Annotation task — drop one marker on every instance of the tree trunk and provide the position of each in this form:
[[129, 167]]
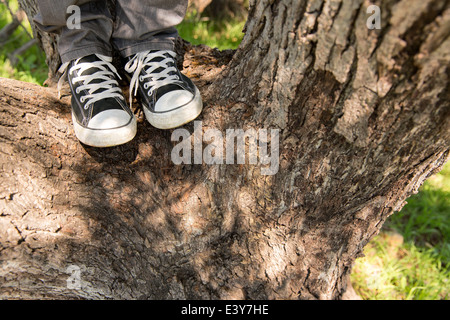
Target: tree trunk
[[363, 118]]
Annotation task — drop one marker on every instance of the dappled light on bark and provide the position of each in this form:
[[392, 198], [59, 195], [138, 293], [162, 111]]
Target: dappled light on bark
[[363, 119]]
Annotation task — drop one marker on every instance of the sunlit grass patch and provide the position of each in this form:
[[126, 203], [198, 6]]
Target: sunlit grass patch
[[410, 258], [224, 34], [393, 270]]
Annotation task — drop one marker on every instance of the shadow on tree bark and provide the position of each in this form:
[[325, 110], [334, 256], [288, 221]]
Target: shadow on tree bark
[[363, 118]]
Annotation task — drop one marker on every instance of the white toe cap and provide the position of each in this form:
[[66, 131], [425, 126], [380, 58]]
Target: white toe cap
[[172, 100], [109, 119]]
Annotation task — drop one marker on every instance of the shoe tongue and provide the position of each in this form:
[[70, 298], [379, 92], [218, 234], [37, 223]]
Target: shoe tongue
[[90, 59], [169, 87], [159, 59]]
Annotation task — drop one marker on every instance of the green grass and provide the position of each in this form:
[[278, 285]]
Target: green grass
[[225, 34], [410, 258], [425, 220], [400, 271], [31, 66]]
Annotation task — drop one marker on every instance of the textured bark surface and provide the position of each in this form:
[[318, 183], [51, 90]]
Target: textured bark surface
[[364, 119]]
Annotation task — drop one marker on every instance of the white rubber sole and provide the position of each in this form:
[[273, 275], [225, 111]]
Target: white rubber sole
[[105, 137], [178, 117]]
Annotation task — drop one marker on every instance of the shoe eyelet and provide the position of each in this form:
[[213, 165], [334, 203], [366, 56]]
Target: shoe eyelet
[[146, 86], [82, 99], [77, 90], [141, 78]]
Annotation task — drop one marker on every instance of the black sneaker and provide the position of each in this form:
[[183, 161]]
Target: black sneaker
[[100, 114], [169, 98]]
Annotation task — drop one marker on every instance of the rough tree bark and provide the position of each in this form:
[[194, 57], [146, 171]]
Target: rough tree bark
[[364, 119]]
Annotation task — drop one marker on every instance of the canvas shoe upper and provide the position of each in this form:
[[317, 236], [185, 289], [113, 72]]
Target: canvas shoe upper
[[169, 98], [100, 114]]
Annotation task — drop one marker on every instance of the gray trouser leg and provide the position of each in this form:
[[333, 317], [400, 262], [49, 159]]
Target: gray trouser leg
[[147, 25], [139, 25], [95, 30]]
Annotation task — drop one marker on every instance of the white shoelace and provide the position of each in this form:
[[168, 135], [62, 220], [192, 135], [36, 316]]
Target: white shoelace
[[144, 61], [110, 87]]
